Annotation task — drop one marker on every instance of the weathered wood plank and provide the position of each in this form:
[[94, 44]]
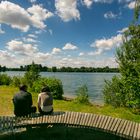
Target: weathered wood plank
[[120, 127], [104, 122], [107, 123], [113, 124], [128, 130], [132, 130], [138, 132], [135, 130], [121, 132], [123, 128], [110, 124]]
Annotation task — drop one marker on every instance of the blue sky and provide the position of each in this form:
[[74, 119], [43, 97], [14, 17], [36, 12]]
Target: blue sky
[[60, 33]]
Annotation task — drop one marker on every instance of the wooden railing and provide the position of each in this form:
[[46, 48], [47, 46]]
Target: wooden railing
[[120, 127]]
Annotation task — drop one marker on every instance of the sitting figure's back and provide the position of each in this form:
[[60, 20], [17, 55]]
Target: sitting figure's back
[[23, 102], [45, 101]]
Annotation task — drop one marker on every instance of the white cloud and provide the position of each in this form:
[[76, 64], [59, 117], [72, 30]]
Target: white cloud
[[87, 3], [97, 52], [1, 31], [41, 56], [124, 1], [30, 40], [32, 35], [50, 31], [103, 1], [21, 48], [106, 44], [32, 1], [123, 30], [110, 15], [39, 15], [81, 54], [79, 62], [131, 5], [69, 46], [38, 32], [56, 50], [5, 55], [67, 9], [20, 18]]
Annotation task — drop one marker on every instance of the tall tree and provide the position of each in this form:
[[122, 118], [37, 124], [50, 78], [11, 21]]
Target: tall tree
[[32, 74], [126, 90]]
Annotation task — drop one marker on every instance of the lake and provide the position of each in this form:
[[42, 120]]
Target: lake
[[71, 82]]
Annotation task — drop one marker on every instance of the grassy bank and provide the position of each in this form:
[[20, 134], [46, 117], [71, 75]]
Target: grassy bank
[[6, 106]]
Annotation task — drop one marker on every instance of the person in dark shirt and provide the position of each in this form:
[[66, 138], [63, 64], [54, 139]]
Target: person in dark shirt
[[23, 102]]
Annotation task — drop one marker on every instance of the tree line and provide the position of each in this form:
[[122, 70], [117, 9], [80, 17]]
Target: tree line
[[62, 69]]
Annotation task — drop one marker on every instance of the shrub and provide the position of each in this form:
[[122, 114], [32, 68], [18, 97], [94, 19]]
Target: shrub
[[113, 92], [5, 79], [54, 84], [82, 95], [16, 81]]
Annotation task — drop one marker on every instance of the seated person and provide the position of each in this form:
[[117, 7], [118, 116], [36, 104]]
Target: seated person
[[23, 102], [45, 101]]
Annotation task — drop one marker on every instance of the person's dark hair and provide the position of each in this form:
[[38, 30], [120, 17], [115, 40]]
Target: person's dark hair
[[23, 87], [45, 89]]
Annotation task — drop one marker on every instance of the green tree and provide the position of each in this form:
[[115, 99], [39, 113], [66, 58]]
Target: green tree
[[31, 75], [126, 89], [54, 69]]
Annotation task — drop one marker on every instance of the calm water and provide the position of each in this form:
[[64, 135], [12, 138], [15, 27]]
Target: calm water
[[71, 82]]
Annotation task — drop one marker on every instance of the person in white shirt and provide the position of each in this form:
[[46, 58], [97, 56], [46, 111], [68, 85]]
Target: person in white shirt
[[45, 101]]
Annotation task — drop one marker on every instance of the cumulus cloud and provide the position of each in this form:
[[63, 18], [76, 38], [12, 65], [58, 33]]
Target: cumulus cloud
[[20, 18], [30, 40], [79, 62], [69, 46], [41, 57], [56, 50], [32, 36], [131, 5], [106, 44], [87, 3], [97, 52], [21, 48], [110, 15], [5, 55], [38, 15], [123, 30], [67, 9]]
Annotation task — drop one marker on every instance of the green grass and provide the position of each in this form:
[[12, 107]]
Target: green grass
[[6, 106]]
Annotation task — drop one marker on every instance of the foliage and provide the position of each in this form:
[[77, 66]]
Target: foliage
[[5, 79], [113, 92], [82, 95], [126, 89], [64, 69], [2, 68], [54, 84], [31, 75]]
